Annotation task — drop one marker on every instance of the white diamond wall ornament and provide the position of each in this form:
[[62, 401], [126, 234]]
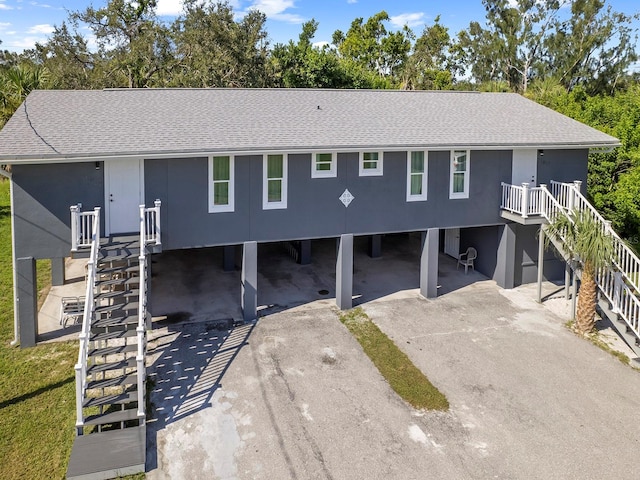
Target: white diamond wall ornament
[[346, 198]]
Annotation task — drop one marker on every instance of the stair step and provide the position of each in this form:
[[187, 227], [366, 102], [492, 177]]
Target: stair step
[[118, 255], [117, 321], [123, 398], [112, 335], [124, 269], [118, 281], [116, 327], [117, 350], [112, 417], [126, 306], [113, 382], [117, 294], [103, 367]]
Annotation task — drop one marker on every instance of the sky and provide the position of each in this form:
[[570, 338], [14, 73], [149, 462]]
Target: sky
[[25, 22]]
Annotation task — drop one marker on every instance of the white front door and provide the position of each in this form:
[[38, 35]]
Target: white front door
[[124, 192], [452, 242], [524, 166]]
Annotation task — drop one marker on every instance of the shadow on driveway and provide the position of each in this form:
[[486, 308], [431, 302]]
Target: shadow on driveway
[[189, 362]]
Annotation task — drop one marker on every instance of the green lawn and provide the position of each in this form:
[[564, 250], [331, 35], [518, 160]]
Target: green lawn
[[37, 389]]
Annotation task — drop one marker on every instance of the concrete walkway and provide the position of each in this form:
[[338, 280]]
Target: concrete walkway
[[294, 396]]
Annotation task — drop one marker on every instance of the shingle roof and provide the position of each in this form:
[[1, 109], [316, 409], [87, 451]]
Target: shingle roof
[[67, 124]]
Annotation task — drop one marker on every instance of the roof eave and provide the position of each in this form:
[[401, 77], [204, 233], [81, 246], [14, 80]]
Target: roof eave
[[69, 158]]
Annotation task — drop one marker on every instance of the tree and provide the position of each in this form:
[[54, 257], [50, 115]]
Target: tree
[[430, 65], [303, 65], [371, 46], [7, 59], [593, 47], [213, 50], [511, 45], [15, 84], [524, 40], [131, 40], [587, 244], [67, 57]]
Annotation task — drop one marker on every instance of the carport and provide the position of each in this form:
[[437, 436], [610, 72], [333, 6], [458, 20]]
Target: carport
[[204, 284]]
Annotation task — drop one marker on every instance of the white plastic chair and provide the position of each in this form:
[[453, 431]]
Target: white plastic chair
[[467, 259]]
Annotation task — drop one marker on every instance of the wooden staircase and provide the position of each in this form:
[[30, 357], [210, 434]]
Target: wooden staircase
[[110, 405], [111, 372]]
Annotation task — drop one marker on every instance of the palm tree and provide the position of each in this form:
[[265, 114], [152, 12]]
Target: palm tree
[[15, 84], [586, 242]]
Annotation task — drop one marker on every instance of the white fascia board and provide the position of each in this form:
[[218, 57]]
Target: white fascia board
[[300, 150]]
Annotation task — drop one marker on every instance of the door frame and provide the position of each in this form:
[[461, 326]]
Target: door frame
[[108, 167], [452, 233], [528, 159]]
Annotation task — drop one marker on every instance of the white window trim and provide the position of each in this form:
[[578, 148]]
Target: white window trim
[[332, 172], [371, 172], [266, 204], [423, 196], [465, 193], [230, 206]]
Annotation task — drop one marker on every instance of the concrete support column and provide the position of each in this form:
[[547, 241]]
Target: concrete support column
[[249, 280], [429, 263], [567, 280], [375, 246], [57, 271], [506, 256], [344, 272], [27, 291], [540, 262], [305, 252], [229, 258]]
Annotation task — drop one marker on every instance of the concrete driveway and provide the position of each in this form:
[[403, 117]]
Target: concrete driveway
[[294, 397]]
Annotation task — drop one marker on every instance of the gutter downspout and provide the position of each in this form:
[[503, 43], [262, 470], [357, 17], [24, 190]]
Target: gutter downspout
[[16, 325]]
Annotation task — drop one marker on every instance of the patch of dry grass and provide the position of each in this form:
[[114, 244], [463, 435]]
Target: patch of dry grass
[[394, 365]]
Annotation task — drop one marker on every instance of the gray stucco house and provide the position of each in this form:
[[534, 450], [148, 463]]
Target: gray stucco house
[[233, 168]]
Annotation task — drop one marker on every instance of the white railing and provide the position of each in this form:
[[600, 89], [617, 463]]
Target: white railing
[[149, 235], [523, 200], [621, 285], [145, 222], [150, 230], [87, 317], [625, 260], [82, 227]]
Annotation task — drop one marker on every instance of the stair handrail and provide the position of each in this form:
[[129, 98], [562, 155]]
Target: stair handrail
[[620, 284], [624, 297], [87, 317], [142, 311], [81, 227], [151, 233], [624, 259]]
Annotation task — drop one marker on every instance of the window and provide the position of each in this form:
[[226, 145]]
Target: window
[[274, 187], [221, 184], [370, 163], [416, 177], [459, 184], [323, 165]]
